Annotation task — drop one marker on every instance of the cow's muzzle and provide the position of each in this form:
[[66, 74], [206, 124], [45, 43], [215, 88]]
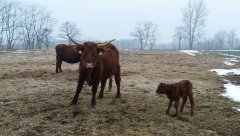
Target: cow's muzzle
[[89, 65]]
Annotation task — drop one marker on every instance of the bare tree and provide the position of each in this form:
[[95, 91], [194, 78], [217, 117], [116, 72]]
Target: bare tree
[[69, 29], [179, 36], [36, 27], [139, 33], [231, 39], [220, 38], [194, 20], [153, 36], [146, 33], [11, 23]]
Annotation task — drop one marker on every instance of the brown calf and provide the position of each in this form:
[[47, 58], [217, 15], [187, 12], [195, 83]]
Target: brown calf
[[175, 91]]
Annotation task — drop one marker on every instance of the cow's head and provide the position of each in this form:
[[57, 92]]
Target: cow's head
[[90, 52]]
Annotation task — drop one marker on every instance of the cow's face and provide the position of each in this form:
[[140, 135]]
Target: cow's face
[[90, 53], [161, 88]]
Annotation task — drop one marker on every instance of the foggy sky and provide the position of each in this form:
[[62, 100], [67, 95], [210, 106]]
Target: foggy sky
[[109, 19]]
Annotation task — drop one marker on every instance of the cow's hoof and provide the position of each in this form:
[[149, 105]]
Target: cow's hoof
[[100, 97], [75, 110]]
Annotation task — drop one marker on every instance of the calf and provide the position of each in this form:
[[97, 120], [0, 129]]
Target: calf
[[175, 91], [66, 53], [98, 63]]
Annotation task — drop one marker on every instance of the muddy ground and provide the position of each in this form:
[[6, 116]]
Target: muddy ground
[[36, 101]]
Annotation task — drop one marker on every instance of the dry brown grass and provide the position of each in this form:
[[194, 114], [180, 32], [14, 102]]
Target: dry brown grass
[[36, 101]]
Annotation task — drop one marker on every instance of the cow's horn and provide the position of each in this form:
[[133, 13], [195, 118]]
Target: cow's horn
[[105, 43], [73, 40]]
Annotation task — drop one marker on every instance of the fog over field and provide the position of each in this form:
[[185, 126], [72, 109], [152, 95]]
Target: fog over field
[[109, 19], [161, 23]]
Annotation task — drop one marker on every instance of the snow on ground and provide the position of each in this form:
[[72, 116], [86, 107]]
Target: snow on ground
[[230, 61], [231, 91], [190, 52], [21, 51], [224, 72]]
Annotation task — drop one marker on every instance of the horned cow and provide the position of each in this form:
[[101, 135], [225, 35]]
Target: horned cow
[[98, 63]]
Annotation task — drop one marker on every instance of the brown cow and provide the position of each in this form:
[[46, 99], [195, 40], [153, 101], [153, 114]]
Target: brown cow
[[98, 63], [66, 53], [175, 91]]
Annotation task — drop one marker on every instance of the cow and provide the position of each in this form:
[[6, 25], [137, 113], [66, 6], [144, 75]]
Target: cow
[[98, 63], [175, 91], [66, 53]]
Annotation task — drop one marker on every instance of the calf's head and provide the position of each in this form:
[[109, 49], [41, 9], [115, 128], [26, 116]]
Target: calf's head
[[162, 87]]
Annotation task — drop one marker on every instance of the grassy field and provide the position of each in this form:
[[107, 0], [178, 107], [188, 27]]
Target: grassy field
[[230, 52], [36, 101]]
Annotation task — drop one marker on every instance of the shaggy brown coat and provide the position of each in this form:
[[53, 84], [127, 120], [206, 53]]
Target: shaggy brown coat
[[174, 92], [98, 63]]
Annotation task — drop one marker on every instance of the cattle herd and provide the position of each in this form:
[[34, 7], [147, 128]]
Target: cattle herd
[[100, 61]]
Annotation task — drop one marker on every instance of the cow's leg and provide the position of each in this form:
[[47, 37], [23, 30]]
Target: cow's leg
[[177, 105], [78, 91], [118, 80], [94, 91], [110, 84], [103, 83], [169, 106], [184, 97]]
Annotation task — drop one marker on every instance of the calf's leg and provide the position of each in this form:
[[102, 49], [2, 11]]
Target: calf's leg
[[169, 106], [177, 105], [184, 97]]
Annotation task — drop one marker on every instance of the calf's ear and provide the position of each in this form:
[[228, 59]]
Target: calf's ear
[[100, 51], [78, 49]]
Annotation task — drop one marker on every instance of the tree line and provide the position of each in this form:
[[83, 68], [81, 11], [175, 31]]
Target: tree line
[[31, 27], [27, 26]]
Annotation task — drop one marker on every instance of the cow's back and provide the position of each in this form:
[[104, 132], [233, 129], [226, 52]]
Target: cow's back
[[110, 60], [67, 53]]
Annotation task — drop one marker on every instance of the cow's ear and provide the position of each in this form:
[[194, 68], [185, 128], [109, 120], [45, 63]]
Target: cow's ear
[[100, 51], [78, 49]]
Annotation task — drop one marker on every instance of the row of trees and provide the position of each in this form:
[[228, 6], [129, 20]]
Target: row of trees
[[26, 25], [222, 40], [147, 33]]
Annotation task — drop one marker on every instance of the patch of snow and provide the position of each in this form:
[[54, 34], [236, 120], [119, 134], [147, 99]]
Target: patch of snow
[[190, 52], [224, 72], [21, 51], [236, 109], [232, 91], [230, 61]]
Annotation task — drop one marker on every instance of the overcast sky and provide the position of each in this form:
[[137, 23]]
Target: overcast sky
[[109, 19]]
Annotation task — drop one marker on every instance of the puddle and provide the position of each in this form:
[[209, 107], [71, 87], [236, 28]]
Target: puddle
[[231, 91], [190, 52]]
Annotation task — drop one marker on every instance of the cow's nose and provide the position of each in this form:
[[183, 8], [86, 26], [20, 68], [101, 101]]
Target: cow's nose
[[89, 65]]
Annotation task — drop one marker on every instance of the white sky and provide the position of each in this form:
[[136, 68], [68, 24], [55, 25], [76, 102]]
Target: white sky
[[109, 19]]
